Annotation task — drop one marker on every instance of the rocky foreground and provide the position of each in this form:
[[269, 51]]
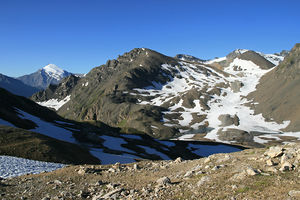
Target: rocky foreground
[[272, 173]]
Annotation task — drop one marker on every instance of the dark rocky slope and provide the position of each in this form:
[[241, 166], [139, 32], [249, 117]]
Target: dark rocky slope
[[26, 144], [278, 92], [101, 96], [59, 92], [17, 87]]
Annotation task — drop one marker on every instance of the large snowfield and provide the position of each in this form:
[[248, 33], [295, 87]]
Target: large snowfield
[[13, 166]]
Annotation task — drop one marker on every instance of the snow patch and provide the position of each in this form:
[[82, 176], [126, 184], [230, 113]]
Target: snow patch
[[48, 129], [155, 152], [215, 60], [275, 59], [6, 123], [13, 166], [55, 103]]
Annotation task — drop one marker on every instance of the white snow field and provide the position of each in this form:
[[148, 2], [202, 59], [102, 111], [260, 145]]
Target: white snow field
[[55, 103], [48, 129], [13, 166]]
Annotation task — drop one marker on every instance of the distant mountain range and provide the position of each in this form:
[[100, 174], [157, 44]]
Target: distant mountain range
[[27, 85], [184, 97], [16, 86]]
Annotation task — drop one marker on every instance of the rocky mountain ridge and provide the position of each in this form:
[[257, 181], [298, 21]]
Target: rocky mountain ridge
[[149, 93]]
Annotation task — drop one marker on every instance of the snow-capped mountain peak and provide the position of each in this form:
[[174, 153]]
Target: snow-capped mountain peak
[[50, 74], [54, 71]]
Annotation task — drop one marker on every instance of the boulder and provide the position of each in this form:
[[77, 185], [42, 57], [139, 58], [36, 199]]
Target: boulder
[[274, 152], [203, 180], [286, 166], [163, 181], [236, 86], [235, 135], [294, 193], [228, 120]]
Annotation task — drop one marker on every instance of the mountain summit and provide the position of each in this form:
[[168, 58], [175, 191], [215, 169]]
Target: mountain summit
[[54, 71], [50, 74]]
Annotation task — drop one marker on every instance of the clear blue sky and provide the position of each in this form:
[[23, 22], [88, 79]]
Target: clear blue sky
[[79, 35]]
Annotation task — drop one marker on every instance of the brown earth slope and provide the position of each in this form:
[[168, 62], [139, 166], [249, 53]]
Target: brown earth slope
[[278, 92]]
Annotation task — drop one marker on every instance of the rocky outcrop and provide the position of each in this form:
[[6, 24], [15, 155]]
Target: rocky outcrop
[[228, 120], [189, 58], [59, 92], [236, 86], [231, 134]]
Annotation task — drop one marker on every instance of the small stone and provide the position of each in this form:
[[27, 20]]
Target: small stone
[[163, 181], [81, 171], [112, 170], [271, 169], [189, 173], [285, 158], [274, 152], [110, 194], [207, 160], [199, 172], [238, 176], [294, 193], [178, 160], [57, 182], [286, 166], [251, 172], [270, 162], [216, 168], [136, 167], [98, 183], [203, 180]]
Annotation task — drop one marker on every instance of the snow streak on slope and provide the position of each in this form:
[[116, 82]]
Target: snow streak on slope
[[215, 60], [13, 166], [49, 129], [55, 103]]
